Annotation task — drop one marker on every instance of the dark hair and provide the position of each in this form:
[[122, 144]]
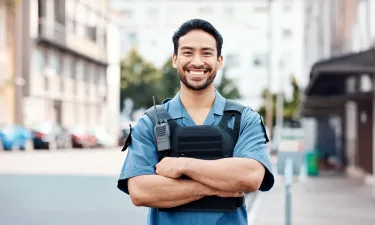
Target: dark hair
[[197, 24]]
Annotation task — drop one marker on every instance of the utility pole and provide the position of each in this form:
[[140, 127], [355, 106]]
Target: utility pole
[[269, 101]]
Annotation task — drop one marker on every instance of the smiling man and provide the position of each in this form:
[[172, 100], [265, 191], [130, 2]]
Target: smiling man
[[216, 151]]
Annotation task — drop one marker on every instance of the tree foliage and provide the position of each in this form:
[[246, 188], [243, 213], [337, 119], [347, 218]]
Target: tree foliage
[[289, 106], [227, 88]]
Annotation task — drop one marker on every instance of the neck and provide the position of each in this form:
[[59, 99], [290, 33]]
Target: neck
[[197, 99]]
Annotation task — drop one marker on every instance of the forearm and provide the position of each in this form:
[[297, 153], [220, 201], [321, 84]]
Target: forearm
[[229, 174], [162, 192]]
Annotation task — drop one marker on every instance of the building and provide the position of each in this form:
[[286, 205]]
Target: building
[[62, 55], [8, 82], [340, 62], [148, 26]]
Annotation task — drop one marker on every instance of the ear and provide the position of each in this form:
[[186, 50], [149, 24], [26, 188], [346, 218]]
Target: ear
[[174, 59], [220, 62]]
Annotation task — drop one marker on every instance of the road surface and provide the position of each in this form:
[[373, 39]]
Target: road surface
[[75, 187]]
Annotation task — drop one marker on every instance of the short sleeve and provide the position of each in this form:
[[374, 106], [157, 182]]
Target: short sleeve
[[141, 156], [252, 144]]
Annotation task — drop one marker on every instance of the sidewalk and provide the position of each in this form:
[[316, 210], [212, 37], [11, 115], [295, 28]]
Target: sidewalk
[[325, 200]]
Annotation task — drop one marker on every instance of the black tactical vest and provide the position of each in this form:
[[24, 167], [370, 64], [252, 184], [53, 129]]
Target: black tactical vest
[[206, 142]]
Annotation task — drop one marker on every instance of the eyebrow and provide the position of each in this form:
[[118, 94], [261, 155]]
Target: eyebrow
[[190, 48]]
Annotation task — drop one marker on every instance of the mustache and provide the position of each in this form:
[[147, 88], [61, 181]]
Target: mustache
[[197, 68]]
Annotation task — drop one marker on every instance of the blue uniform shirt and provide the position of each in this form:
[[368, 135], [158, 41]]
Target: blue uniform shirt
[[142, 157]]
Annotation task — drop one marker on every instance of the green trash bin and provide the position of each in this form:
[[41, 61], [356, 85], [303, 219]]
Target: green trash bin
[[312, 163]]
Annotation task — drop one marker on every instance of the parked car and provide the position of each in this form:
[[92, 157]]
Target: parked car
[[81, 137], [50, 135], [14, 137], [103, 138]]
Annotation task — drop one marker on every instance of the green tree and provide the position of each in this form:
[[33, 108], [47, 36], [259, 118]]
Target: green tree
[[227, 87], [171, 81], [139, 81], [262, 109], [289, 106]]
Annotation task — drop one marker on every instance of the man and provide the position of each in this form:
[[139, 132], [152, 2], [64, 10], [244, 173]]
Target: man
[[173, 182]]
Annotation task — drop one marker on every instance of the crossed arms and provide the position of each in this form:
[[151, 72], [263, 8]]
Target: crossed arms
[[228, 177]]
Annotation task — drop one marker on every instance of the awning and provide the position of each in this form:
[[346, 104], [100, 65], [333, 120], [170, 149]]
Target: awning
[[326, 92], [326, 71]]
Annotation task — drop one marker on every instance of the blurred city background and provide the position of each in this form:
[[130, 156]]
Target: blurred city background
[[75, 73]]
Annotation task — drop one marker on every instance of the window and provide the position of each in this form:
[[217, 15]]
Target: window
[[287, 33], [79, 70], [54, 61], [97, 75], [233, 60], [152, 12], [91, 26], [261, 9], [132, 37], [103, 77], [260, 60], [67, 66], [287, 7], [38, 60], [206, 10], [73, 64], [126, 13], [87, 72], [229, 11]]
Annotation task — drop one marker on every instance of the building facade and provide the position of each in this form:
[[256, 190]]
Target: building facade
[[7, 64], [340, 66], [62, 55], [148, 26]]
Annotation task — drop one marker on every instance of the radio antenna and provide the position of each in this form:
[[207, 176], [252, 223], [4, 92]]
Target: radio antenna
[[156, 111]]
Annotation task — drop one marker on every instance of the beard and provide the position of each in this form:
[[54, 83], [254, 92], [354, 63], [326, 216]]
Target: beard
[[202, 85]]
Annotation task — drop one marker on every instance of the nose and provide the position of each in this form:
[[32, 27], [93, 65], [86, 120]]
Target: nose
[[197, 61]]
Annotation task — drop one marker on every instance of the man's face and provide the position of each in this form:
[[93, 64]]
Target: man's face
[[196, 60]]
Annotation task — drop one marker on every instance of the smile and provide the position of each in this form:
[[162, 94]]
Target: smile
[[197, 72]]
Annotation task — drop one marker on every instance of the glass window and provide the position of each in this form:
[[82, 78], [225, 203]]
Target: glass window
[[287, 33], [54, 58], [91, 26], [103, 76], [87, 71], [79, 70], [73, 63], [260, 60], [67, 66], [38, 60]]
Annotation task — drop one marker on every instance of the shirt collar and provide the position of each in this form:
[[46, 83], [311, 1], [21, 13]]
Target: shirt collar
[[176, 109]]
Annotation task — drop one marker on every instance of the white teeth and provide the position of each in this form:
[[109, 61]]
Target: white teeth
[[196, 73]]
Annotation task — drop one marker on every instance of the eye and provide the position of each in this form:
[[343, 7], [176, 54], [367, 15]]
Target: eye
[[207, 53], [186, 53]]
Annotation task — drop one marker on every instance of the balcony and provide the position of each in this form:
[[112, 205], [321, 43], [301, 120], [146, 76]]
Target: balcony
[[52, 31], [86, 41]]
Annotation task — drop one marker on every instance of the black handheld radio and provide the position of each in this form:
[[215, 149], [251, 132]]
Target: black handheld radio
[[161, 131]]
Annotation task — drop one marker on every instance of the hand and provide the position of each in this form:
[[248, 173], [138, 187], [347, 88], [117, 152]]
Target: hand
[[227, 194], [170, 167], [210, 191]]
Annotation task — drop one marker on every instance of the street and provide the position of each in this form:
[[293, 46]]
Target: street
[[61, 200], [75, 187]]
